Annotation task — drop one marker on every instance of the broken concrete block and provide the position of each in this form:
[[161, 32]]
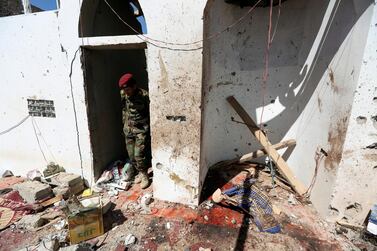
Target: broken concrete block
[[33, 191], [48, 245], [7, 173], [31, 221], [64, 191], [66, 180], [78, 188], [76, 247]]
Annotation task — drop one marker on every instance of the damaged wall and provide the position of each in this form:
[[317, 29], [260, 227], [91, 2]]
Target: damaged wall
[[35, 64], [52, 39], [356, 189], [315, 61], [314, 65], [175, 94]]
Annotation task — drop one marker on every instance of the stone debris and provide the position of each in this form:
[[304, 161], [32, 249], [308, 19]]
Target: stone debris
[[66, 184], [65, 180], [52, 169], [7, 173], [129, 240], [77, 247], [34, 175], [208, 204], [48, 245], [31, 221], [33, 191], [204, 249], [60, 224], [292, 200], [64, 191], [146, 199]]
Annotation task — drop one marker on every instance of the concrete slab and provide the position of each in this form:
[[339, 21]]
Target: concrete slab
[[33, 191], [31, 221], [66, 179]]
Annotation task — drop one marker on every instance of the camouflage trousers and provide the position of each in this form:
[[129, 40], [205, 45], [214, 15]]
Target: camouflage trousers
[[138, 146]]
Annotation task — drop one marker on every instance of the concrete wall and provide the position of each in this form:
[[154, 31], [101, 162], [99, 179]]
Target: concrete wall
[[51, 39], [175, 90], [356, 188], [36, 64], [315, 62], [314, 66]]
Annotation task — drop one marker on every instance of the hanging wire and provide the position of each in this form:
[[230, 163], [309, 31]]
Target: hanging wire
[[149, 39], [44, 140], [75, 112], [39, 143], [266, 66], [15, 126]]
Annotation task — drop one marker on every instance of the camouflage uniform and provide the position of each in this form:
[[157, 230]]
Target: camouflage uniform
[[136, 127]]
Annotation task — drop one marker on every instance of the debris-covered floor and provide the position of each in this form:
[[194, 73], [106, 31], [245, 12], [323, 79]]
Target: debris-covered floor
[[134, 221]]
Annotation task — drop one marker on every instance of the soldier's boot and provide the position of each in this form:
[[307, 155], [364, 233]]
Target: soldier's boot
[[137, 179], [130, 174], [144, 180]]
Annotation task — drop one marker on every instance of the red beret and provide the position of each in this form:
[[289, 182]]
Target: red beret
[[125, 79]]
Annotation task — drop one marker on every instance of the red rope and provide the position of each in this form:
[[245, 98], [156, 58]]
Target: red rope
[[266, 64]]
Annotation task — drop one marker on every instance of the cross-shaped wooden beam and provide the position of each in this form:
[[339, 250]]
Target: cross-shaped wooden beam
[[283, 167]]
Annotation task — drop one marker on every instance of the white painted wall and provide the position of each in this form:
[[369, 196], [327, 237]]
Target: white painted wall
[[38, 51], [50, 43], [356, 180], [175, 90], [34, 65], [314, 40]]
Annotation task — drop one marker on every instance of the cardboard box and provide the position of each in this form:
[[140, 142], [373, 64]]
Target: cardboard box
[[88, 222]]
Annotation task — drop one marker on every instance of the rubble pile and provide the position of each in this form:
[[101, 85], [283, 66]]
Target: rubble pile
[[59, 212]]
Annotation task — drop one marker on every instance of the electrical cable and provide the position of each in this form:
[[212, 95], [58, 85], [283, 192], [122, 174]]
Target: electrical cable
[[15, 126], [148, 39], [266, 63], [39, 143], [44, 140], [277, 22], [75, 112]]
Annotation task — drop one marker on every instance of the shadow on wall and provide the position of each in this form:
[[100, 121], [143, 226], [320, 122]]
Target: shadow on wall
[[103, 69], [97, 19], [234, 63]]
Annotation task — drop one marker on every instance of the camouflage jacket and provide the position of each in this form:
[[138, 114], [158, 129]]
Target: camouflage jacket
[[135, 108]]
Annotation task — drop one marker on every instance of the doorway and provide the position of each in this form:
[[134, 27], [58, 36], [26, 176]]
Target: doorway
[[102, 70]]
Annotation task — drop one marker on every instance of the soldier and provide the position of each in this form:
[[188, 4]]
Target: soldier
[[136, 128]]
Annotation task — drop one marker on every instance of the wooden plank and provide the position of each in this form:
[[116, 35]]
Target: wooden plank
[[262, 152], [52, 200], [252, 155], [263, 140]]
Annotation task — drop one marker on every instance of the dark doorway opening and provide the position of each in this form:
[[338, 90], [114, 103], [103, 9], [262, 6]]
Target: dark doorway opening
[[102, 70]]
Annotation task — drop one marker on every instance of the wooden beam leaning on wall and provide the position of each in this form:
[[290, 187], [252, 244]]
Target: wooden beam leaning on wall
[[263, 140]]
